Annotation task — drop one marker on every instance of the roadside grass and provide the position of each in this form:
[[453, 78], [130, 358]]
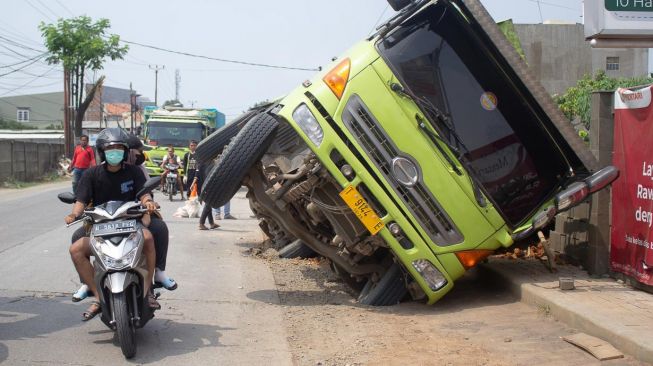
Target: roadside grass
[[12, 183]]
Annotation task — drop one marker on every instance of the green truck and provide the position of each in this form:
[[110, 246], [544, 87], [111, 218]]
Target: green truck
[[177, 127], [412, 158]]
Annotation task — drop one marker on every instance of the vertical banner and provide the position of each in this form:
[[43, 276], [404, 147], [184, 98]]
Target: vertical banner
[[631, 247]]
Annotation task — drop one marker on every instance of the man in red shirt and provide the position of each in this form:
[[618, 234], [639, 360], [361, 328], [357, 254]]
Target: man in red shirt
[[83, 158]]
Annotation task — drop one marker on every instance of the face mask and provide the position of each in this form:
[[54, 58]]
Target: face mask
[[139, 159], [114, 157]]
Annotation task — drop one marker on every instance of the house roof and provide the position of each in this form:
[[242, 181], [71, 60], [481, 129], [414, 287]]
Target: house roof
[[44, 108]]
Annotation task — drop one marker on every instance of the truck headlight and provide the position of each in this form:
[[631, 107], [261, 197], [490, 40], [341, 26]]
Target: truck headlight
[[433, 277], [308, 123]]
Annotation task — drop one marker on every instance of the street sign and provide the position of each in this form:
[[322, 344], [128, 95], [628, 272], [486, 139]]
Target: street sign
[[618, 19], [631, 241]]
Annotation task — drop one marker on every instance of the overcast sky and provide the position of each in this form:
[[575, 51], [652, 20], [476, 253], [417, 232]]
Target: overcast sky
[[289, 33]]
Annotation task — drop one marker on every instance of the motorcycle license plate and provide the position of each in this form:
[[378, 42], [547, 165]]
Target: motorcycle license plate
[[115, 227], [172, 175], [362, 209]]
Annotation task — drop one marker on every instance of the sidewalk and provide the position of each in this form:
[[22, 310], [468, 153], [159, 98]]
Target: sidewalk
[[600, 307]]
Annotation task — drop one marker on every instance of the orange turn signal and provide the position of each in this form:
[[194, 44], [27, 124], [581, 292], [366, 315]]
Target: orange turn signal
[[338, 77], [470, 258]]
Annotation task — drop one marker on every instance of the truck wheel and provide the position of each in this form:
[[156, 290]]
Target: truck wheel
[[211, 146], [389, 290], [297, 249], [243, 151]]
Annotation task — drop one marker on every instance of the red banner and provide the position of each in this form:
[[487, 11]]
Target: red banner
[[631, 250]]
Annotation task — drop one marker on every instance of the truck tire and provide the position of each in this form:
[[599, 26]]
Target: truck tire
[[389, 290], [212, 146], [297, 249], [243, 151]]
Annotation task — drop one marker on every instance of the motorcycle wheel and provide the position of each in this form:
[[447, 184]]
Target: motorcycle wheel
[[124, 327], [171, 193]]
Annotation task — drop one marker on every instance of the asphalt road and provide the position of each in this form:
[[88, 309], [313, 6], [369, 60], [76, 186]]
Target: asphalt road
[[207, 320]]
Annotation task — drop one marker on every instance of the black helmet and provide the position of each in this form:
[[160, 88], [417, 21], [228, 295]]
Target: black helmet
[[134, 142], [111, 136]]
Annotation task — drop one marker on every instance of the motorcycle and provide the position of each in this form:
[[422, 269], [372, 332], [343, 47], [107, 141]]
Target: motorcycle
[[171, 180], [120, 268]]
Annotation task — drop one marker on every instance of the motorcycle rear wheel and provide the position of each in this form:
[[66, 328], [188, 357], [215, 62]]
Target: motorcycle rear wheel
[[124, 326]]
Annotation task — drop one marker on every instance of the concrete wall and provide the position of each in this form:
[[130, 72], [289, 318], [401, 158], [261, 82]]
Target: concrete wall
[[27, 161], [559, 55]]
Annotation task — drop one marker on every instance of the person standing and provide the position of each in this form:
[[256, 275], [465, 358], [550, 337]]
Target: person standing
[[191, 169], [83, 158]]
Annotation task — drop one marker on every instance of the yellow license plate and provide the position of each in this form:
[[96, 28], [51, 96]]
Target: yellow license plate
[[362, 209]]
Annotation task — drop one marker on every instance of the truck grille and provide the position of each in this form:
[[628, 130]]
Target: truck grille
[[380, 148]]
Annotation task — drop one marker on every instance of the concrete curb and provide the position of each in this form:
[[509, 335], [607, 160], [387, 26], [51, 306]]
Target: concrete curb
[[589, 312]]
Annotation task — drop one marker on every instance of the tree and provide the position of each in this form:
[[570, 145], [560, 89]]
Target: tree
[[80, 44]]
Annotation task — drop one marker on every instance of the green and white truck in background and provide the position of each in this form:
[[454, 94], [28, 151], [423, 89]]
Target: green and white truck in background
[[177, 127]]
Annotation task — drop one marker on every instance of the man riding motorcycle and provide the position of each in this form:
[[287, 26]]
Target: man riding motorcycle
[[113, 180], [157, 227], [171, 158]]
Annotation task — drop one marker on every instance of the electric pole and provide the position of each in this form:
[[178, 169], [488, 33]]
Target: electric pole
[[177, 83], [156, 69]]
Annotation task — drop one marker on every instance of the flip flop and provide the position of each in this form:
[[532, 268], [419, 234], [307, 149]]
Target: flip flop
[[152, 303], [93, 310], [168, 284]]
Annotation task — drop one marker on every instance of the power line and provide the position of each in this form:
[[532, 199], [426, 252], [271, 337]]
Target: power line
[[552, 4], [220, 59], [379, 19], [64, 6], [21, 62], [21, 45], [27, 83], [39, 10], [48, 9], [21, 68]]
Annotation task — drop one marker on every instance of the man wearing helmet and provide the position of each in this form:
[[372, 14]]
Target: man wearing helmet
[[114, 180]]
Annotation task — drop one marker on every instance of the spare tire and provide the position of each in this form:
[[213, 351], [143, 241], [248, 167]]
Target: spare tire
[[243, 151], [212, 146]]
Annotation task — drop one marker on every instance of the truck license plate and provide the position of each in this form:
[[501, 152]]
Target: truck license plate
[[362, 209]]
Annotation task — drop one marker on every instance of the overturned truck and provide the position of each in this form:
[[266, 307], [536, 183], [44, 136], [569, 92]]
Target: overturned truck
[[412, 158]]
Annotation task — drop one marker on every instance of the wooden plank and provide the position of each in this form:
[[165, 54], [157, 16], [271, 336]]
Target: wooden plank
[[598, 348]]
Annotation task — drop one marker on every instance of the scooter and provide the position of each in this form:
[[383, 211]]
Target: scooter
[[171, 180], [120, 267]]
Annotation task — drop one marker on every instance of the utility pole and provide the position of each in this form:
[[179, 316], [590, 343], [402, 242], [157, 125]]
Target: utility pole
[[131, 106], [156, 69], [66, 113], [177, 83]]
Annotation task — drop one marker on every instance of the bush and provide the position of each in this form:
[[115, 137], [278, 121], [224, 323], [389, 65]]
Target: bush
[[14, 125], [576, 101]]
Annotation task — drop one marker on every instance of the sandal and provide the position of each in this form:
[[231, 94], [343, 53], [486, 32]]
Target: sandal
[[203, 227], [81, 294], [152, 303], [214, 226], [168, 284], [93, 310]]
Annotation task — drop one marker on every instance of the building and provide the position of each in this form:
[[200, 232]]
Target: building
[[559, 56], [111, 107], [37, 110]]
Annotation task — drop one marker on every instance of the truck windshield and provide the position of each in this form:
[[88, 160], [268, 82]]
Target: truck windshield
[[173, 133], [488, 120]]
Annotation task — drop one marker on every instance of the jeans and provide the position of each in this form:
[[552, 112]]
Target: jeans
[[227, 209], [77, 175]]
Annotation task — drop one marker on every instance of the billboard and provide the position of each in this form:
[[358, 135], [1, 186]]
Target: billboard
[[620, 19], [631, 242]]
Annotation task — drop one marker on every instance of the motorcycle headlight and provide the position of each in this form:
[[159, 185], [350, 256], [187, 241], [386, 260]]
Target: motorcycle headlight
[[119, 263], [308, 123]]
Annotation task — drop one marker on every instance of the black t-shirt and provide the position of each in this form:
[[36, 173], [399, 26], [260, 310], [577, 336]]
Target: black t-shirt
[[98, 185], [190, 163]]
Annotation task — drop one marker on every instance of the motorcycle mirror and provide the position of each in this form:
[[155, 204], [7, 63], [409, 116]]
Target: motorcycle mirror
[[66, 197], [149, 186]]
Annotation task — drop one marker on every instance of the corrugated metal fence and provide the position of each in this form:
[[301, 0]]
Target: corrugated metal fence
[[27, 161]]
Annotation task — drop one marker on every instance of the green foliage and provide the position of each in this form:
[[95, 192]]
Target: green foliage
[[14, 125], [575, 102], [80, 43]]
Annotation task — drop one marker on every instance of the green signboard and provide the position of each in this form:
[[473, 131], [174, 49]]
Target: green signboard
[[629, 5]]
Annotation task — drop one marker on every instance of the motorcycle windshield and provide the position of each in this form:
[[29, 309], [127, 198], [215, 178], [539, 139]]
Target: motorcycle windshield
[[487, 119]]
